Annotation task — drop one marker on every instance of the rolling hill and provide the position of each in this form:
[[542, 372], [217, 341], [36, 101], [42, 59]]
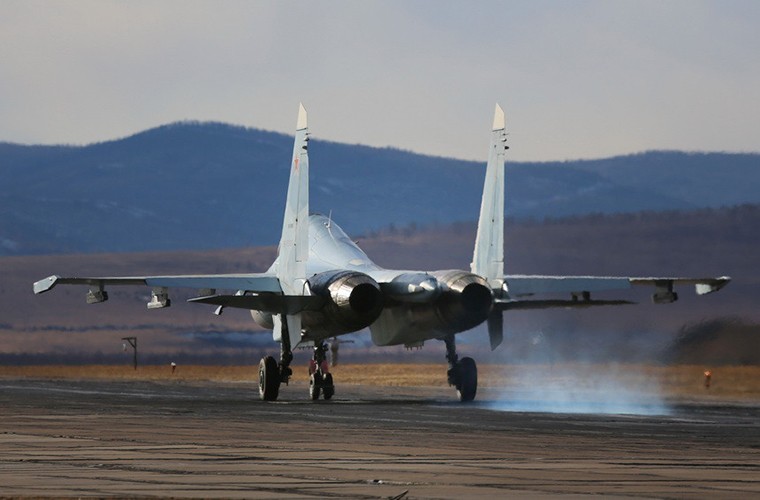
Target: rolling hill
[[209, 185]]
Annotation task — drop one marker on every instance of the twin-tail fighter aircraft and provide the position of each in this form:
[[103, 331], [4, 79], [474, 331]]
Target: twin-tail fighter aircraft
[[322, 285]]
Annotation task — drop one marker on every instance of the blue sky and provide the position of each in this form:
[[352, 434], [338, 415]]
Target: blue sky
[[582, 79]]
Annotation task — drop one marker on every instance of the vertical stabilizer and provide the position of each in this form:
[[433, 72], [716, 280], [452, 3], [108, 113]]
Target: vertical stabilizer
[[488, 258], [294, 242]]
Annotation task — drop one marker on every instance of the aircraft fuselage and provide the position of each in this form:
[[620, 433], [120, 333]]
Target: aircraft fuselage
[[409, 308]]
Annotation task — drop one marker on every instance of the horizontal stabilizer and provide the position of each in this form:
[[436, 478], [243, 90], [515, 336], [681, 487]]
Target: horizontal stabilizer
[[272, 303]]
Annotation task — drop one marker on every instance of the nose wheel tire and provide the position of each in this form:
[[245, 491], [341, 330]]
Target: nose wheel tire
[[314, 386], [320, 383], [320, 378], [328, 389]]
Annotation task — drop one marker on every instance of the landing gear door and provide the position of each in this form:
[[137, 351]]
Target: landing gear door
[[292, 326]]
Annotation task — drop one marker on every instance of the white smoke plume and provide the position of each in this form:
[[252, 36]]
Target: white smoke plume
[[546, 378]]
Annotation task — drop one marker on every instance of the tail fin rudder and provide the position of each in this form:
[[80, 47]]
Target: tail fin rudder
[[488, 257], [294, 242]]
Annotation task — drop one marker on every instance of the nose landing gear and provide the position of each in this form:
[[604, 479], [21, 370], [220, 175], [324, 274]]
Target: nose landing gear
[[320, 378]]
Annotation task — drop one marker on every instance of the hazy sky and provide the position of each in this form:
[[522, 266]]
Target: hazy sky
[[577, 79]]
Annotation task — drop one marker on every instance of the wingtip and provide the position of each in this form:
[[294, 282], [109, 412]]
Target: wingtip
[[499, 121], [713, 285], [302, 122], [46, 284]]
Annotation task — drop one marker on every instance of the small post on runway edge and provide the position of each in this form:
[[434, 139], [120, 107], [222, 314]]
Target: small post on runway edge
[[133, 342]]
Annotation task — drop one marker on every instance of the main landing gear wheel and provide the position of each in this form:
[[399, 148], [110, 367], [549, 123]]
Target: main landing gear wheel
[[468, 379], [271, 373], [462, 374], [269, 379]]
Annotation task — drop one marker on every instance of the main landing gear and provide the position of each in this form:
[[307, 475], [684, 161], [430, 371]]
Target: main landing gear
[[462, 374], [272, 374], [269, 379]]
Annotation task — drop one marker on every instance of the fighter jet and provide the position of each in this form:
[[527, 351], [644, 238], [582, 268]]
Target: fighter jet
[[322, 285]]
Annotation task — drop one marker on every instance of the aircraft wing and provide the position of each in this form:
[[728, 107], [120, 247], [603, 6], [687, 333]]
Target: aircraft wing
[[249, 282], [207, 284], [581, 287]]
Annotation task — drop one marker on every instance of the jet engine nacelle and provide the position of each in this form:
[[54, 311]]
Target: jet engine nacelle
[[466, 301], [354, 301]]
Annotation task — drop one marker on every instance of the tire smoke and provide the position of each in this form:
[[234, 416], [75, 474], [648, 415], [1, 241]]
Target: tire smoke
[[552, 381]]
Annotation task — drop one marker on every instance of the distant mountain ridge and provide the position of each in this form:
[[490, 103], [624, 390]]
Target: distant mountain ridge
[[192, 185]]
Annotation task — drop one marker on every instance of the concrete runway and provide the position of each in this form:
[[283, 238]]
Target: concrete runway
[[68, 438]]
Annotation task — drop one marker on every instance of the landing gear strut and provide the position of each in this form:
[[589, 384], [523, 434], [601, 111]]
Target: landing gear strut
[[272, 374], [320, 378], [462, 374]]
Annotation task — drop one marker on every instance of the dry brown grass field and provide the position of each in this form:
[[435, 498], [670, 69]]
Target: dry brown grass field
[[740, 383]]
